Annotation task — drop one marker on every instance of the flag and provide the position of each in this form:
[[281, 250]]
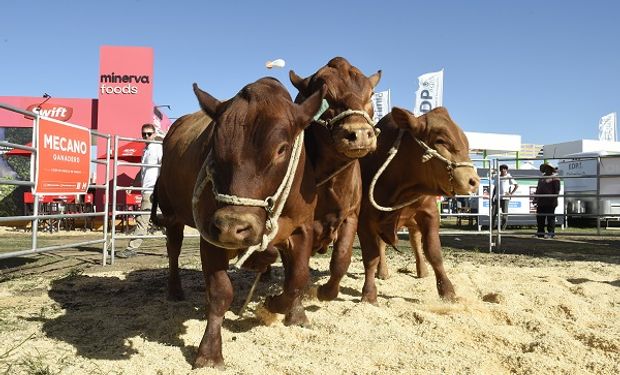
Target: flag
[[381, 104], [607, 127], [430, 92]]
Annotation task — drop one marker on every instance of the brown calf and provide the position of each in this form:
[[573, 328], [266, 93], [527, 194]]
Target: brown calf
[[343, 133], [220, 172], [432, 159]]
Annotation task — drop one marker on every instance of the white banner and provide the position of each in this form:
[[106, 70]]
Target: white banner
[[607, 127], [381, 104], [430, 92]]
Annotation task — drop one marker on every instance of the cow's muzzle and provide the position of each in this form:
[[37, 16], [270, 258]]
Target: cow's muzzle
[[466, 181], [355, 140], [234, 230]]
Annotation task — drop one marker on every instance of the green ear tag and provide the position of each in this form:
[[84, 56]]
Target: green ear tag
[[324, 107]]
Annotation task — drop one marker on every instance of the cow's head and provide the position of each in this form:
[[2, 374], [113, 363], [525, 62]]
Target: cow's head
[[348, 118], [445, 148], [248, 156]]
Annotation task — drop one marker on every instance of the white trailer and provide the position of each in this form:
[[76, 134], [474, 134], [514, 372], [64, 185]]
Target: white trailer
[[589, 175]]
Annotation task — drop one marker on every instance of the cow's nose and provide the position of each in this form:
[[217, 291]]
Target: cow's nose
[[230, 228], [360, 137], [473, 183]]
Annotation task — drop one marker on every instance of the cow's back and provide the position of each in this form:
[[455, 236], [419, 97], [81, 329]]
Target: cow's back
[[185, 145]]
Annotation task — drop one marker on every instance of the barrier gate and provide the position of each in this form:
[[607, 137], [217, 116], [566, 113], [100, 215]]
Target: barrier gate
[[38, 202]]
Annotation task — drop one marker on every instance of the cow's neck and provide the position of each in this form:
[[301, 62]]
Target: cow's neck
[[409, 176], [428, 172], [323, 155]]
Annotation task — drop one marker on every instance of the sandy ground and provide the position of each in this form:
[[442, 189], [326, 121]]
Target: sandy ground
[[530, 312]]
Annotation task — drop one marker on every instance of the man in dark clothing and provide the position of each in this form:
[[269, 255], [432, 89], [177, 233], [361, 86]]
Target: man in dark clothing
[[545, 206]]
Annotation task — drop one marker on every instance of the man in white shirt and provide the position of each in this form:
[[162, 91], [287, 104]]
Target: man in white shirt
[[147, 178], [507, 187]]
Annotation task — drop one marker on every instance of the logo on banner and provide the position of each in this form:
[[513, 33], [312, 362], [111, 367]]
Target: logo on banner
[[381, 104], [430, 92], [122, 83], [63, 158], [607, 127], [55, 111]]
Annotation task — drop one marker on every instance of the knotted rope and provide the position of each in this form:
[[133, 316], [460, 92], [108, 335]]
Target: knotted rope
[[349, 112], [428, 154]]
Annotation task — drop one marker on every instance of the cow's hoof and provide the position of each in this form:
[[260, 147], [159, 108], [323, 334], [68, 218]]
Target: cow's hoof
[[265, 316], [326, 293], [203, 361], [369, 299], [421, 270], [297, 317], [383, 274], [449, 296], [446, 291]]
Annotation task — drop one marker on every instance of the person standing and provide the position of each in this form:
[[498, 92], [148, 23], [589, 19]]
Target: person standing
[[545, 206], [145, 178], [507, 187]]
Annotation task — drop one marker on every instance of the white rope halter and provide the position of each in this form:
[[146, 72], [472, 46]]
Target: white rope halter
[[429, 153], [329, 124], [273, 204]]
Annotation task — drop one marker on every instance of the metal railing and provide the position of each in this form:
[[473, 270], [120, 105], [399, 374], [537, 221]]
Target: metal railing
[[116, 188], [36, 218]]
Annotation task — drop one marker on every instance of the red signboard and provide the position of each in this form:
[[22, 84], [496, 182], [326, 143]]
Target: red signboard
[[125, 89], [63, 158], [78, 111]]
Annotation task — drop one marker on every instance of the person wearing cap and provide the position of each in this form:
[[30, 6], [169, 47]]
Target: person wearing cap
[[146, 177], [545, 206], [507, 187]]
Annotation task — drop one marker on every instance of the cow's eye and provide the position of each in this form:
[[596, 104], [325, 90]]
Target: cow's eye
[[282, 150]]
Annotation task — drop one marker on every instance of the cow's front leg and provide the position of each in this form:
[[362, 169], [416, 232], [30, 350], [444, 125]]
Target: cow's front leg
[[220, 295], [431, 245], [383, 270], [415, 238], [340, 260], [370, 243], [295, 259], [174, 240]]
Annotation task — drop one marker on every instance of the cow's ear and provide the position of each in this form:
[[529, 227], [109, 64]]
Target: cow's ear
[[374, 79], [208, 103], [309, 108], [406, 120], [299, 83]]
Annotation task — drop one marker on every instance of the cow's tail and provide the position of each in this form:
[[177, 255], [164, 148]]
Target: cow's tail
[[158, 220]]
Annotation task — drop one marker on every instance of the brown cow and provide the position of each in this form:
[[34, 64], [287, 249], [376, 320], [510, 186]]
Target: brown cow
[[343, 133], [432, 159], [220, 177]]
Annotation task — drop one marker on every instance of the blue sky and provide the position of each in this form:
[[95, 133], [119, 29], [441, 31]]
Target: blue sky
[[547, 70]]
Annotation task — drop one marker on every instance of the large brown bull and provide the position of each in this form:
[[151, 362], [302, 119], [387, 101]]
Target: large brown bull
[[342, 134], [226, 171], [431, 158]]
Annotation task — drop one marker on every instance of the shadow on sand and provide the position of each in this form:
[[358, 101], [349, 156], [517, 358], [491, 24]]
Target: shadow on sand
[[102, 313]]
